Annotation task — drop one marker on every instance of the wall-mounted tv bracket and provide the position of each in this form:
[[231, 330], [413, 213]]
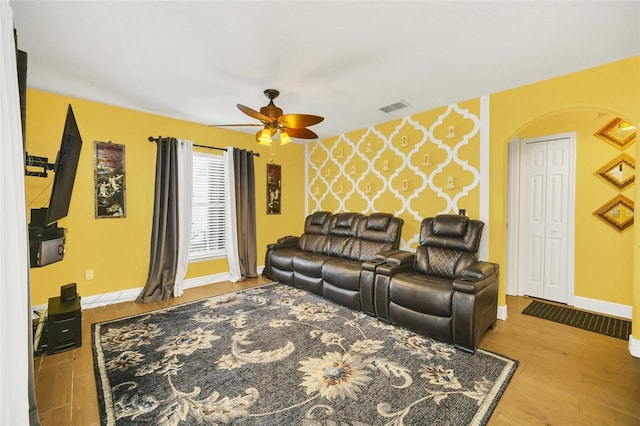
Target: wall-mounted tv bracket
[[39, 162]]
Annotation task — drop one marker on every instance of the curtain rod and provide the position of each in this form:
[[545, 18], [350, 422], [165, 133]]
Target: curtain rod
[[152, 139]]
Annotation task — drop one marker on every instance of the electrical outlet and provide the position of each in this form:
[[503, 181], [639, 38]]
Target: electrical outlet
[[88, 274]]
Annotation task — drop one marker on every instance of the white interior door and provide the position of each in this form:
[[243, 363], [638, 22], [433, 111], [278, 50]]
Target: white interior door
[[547, 206]]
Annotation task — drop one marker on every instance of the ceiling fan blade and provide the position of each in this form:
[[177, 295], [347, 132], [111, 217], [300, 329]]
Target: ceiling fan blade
[[298, 121], [255, 114], [234, 125], [301, 133]]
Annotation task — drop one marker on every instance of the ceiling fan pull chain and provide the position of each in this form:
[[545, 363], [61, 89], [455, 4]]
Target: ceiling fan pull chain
[[273, 153]]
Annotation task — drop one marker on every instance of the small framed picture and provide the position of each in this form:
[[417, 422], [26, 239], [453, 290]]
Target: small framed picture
[[274, 188], [109, 171]]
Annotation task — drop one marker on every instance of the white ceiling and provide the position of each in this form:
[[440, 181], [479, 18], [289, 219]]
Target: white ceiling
[[195, 60]]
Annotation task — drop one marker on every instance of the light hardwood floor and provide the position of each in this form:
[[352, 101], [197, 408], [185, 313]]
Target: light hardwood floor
[[566, 376]]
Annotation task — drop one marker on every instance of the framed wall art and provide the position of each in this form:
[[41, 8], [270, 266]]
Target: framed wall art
[[618, 133], [109, 172], [619, 172], [274, 188], [618, 212]]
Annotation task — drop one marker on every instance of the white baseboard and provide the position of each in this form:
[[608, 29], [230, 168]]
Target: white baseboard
[[211, 279], [634, 347], [205, 280], [129, 295], [502, 312], [104, 299], [602, 307], [610, 308]]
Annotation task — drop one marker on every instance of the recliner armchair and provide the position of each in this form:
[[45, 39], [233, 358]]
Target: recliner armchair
[[441, 290]]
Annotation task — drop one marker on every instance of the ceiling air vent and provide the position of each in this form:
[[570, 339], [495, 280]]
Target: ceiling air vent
[[394, 107]]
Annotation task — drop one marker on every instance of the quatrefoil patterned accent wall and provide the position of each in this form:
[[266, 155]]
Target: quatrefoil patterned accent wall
[[415, 167]]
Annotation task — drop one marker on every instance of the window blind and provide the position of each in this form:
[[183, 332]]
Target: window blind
[[208, 209]]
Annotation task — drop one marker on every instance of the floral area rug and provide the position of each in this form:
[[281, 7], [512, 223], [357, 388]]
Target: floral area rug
[[276, 355]]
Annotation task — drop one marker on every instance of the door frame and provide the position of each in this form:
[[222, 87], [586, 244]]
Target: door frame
[[513, 213], [513, 286]]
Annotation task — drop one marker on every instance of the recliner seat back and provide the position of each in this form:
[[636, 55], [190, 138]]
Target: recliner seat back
[[448, 244], [316, 227], [342, 229], [375, 233]]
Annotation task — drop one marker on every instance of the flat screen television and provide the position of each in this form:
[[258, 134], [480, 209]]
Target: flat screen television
[[65, 170]]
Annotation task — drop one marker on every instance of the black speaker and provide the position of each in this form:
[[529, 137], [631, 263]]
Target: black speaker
[[68, 292], [38, 218]]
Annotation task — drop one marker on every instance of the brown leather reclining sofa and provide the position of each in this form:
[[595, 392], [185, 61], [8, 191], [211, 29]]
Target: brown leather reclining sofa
[[327, 258], [441, 290]]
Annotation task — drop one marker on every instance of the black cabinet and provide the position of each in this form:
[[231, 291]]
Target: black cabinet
[[64, 325]]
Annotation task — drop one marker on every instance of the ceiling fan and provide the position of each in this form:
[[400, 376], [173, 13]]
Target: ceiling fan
[[273, 120]]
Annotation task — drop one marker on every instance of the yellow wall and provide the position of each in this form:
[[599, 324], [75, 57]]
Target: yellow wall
[[117, 249], [366, 170], [603, 254], [613, 88]]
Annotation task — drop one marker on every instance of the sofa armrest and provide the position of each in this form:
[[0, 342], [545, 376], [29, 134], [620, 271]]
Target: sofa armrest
[[284, 242], [381, 257], [400, 258], [289, 240], [396, 263], [475, 277], [367, 280], [475, 304]]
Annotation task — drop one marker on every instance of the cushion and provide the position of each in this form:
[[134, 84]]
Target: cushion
[[450, 225], [318, 218], [426, 294], [378, 221], [344, 221]]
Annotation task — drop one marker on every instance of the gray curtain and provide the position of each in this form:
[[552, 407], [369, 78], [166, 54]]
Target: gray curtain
[[164, 235], [245, 186], [34, 418]]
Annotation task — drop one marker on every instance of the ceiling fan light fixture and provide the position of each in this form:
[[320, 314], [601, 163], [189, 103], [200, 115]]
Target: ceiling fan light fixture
[[264, 137], [284, 138], [273, 121]]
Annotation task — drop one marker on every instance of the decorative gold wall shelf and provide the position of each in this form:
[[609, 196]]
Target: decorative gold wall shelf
[[618, 212], [618, 133], [619, 172]]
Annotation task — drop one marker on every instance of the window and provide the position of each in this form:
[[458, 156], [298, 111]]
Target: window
[[208, 209]]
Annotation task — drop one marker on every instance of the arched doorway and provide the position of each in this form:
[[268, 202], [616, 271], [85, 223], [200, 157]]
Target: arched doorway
[[602, 254]]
